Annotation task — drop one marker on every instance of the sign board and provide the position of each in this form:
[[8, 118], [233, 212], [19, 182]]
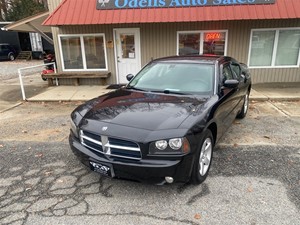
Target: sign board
[[140, 4]]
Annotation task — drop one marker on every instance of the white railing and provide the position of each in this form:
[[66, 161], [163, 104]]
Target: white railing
[[30, 67]]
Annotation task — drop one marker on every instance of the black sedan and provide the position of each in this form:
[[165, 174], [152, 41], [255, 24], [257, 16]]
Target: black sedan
[[7, 52], [162, 126]]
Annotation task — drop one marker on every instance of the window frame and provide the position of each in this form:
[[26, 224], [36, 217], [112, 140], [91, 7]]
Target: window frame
[[275, 47], [82, 48], [201, 44]]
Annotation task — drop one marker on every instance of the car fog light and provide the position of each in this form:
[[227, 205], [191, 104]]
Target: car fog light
[[161, 145], [169, 179]]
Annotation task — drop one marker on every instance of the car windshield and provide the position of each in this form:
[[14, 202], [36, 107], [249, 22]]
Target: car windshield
[[176, 78]]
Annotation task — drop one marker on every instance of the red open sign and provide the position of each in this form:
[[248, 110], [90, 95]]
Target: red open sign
[[210, 36]]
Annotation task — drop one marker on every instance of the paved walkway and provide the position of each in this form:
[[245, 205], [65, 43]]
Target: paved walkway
[[83, 93], [70, 93], [286, 91]]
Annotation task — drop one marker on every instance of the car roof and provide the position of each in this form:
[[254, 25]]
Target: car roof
[[207, 59]]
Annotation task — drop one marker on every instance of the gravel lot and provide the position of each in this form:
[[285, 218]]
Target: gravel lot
[[254, 179], [9, 69]]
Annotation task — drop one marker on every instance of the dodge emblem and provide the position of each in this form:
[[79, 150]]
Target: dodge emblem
[[104, 128]]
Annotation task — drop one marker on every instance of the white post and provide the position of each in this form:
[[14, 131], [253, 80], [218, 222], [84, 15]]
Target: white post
[[56, 81], [30, 67], [22, 85]]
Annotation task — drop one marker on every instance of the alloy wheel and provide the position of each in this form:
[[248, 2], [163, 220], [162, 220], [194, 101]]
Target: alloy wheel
[[246, 103], [205, 156], [11, 57]]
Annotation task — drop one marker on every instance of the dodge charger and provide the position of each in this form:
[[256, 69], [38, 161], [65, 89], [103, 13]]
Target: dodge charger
[[163, 125]]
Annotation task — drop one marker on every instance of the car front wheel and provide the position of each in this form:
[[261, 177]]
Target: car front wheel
[[245, 107], [11, 57], [204, 158]]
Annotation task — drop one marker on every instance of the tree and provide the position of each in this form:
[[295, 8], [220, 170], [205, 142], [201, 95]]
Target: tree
[[13, 10], [3, 9]]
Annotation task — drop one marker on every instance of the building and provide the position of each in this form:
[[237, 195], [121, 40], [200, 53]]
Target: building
[[28, 35], [120, 36]]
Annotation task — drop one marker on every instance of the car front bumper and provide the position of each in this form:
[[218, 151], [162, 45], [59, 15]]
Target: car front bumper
[[144, 170]]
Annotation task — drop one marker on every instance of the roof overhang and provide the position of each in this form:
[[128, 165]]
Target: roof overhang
[[78, 12], [25, 25], [5, 23], [31, 24]]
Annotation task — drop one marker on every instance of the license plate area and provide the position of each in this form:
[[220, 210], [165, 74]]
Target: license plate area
[[102, 168]]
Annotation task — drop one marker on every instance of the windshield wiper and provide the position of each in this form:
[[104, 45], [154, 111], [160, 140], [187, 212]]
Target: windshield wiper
[[170, 91]]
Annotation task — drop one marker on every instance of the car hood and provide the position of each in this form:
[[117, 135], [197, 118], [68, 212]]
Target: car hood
[[143, 110]]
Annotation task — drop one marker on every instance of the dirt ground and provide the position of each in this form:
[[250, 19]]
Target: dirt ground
[[267, 123], [42, 182]]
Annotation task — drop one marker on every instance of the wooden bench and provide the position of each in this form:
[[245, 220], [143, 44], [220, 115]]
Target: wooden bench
[[75, 76]]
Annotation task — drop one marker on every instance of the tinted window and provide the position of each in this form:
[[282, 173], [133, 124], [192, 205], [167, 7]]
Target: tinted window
[[236, 71], [3, 47], [227, 74], [191, 78]]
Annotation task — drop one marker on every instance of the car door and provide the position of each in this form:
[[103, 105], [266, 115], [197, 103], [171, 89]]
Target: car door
[[229, 98], [5, 51], [243, 86]]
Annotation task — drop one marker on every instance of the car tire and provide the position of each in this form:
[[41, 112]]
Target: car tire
[[203, 159], [11, 57], [245, 107]]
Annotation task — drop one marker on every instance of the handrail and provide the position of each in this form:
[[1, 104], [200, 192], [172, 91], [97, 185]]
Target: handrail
[[30, 67]]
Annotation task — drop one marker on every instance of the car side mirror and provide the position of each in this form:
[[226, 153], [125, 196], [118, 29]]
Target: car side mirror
[[245, 78], [129, 77], [231, 83]]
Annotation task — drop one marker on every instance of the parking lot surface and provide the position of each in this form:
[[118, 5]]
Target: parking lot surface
[[254, 179]]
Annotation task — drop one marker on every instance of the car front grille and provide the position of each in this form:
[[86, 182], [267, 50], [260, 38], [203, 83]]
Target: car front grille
[[109, 146]]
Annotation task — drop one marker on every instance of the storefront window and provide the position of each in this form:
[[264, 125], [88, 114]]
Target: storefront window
[[288, 47], [271, 48], [202, 42], [214, 43], [94, 52], [83, 52], [189, 44], [262, 48], [72, 55]]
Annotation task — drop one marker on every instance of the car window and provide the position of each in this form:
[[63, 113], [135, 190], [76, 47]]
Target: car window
[[4, 47], [190, 78], [236, 69], [227, 73]]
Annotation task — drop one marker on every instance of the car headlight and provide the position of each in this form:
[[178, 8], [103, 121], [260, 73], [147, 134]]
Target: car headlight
[[170, 146], [175, 143], [161, 145]]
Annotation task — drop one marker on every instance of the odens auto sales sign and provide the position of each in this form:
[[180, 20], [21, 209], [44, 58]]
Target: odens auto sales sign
[[138, 4]]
